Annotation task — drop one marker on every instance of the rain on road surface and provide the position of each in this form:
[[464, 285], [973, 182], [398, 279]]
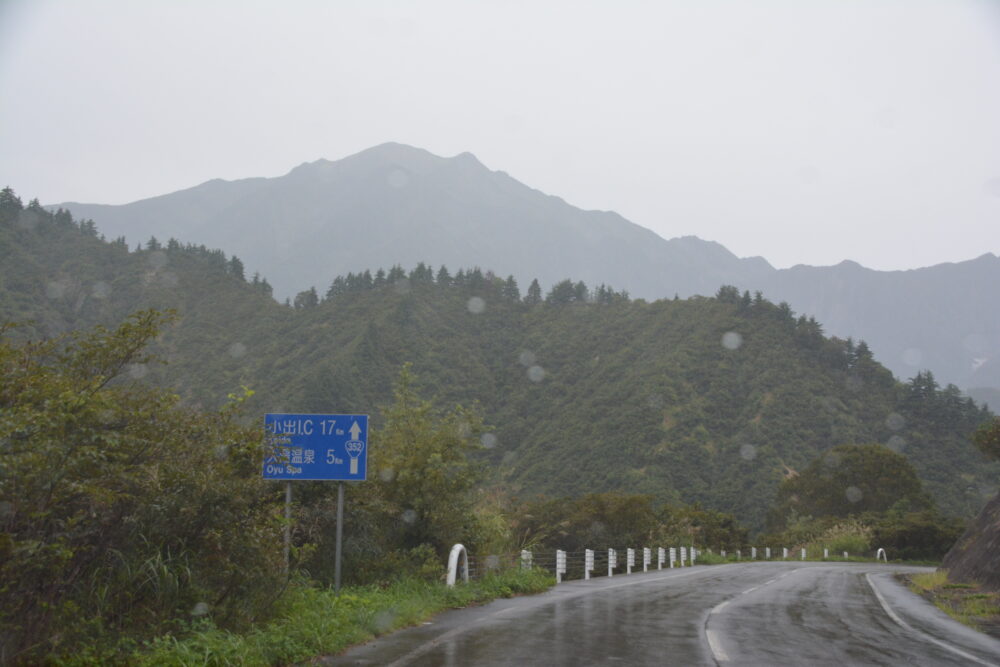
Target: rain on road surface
[[761, 613]]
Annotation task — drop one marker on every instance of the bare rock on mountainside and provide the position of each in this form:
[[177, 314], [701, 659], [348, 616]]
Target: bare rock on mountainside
[[976, 555]]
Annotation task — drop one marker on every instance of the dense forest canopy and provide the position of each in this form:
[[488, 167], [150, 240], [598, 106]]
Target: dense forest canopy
[[708, 400]]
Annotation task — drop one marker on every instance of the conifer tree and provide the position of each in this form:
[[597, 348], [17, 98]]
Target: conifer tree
[[534, 295], [443, 277], [235, 267], [510, 290]]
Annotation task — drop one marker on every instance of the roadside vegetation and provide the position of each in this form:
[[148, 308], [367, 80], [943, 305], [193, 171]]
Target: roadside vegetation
[[134, 523], [859, 498], [968, 603], [311, 621]]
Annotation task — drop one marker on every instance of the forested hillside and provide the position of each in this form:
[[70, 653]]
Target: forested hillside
[[397, 204], [709, 400]]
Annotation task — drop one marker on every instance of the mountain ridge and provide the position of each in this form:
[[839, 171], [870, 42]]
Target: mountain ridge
[[396, 204]]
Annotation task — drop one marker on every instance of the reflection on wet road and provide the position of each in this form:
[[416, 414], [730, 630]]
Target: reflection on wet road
[[740, 614]]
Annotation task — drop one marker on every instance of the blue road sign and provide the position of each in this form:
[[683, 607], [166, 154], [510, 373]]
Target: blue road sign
[[316, 447]]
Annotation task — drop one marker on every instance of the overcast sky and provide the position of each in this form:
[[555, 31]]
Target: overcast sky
[[804, 132]]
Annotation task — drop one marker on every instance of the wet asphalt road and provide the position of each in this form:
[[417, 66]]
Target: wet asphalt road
[[740, 614]]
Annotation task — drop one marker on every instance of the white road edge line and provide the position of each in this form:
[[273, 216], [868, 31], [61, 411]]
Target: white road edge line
[[718, 652], [906, 626], [714, 645]]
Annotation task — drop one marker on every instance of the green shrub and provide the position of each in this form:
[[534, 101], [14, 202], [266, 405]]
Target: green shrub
[[917, 536], [311, 622], [123, 513]]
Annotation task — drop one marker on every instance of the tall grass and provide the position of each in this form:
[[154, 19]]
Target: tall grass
[[964, 602], [312, 622]]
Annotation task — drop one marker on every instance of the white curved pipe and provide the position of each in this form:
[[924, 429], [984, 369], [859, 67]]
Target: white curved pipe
[[453, 564], [881, 552]]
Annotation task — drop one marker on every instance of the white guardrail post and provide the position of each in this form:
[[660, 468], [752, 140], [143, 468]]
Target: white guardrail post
[[588, 562], [826, 554], [457, 550], [684, 555], [647, 558], [846, 556], [723, 553], [526, 559], [803, 554], [560, 565], [739, 554], [767, 553], [694, 554], [673, 556], [612, 562], [784, 553], [629, 560], [660, 557]]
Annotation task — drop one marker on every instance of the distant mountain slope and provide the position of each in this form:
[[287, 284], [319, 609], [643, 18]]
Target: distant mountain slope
[[398, 204], [712, 400], [945, 318]]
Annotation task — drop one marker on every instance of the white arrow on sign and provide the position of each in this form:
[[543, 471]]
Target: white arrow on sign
[[355, 431]]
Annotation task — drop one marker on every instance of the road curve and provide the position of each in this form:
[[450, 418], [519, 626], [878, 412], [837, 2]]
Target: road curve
[[759, 613]]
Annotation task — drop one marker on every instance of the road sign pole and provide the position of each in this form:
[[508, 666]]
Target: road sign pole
[[288, 524], [340, 536]]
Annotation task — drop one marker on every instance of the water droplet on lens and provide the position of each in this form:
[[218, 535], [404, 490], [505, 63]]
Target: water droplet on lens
[[992, 187], [402, 286], [895, 421], [748, 452], [398, 178], [492, 562], [912, 357], [138, 371], [655, 401], [489, 440], [383, 621], [896, 443], [809, 175], [536, 373], [409, 516], [526, 358], [237, 350], [387, 474], [158, 259], [853, 494], [56, 289], [101, 290], [200, 609], [476, 305], [887, 117], [27, 219], [731, 340]]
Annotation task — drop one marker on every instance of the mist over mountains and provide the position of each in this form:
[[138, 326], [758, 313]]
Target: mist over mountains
[[395, 204]]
